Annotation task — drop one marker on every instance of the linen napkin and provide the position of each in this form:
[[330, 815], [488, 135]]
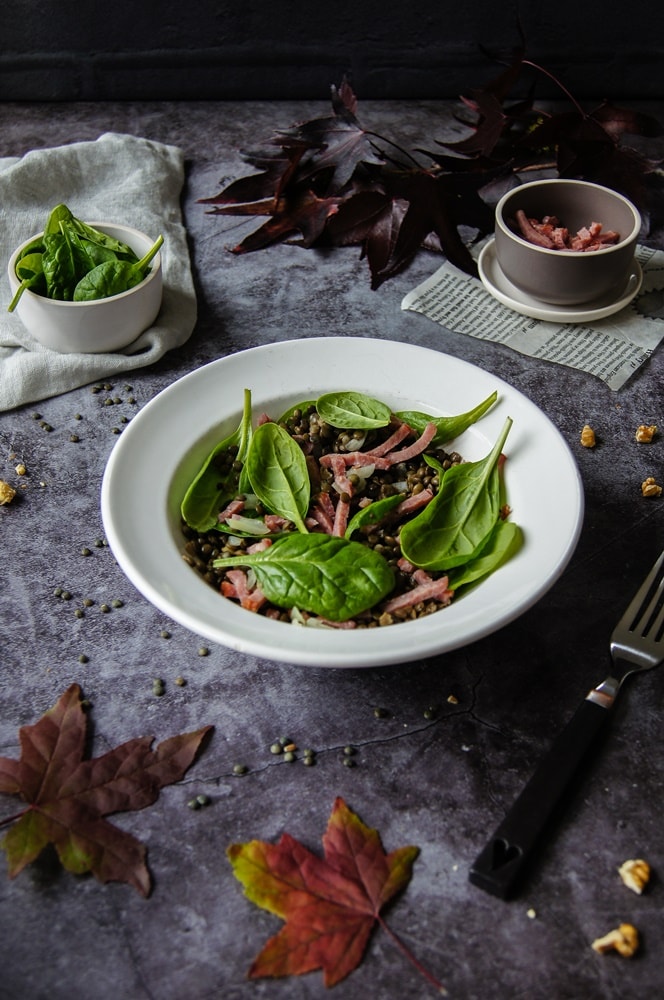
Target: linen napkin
[[116, 178]]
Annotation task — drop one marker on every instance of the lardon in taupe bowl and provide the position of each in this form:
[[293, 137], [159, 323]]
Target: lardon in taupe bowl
[[567, 277]]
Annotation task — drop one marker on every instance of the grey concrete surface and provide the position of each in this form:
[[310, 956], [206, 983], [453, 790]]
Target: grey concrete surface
[[441, 783]]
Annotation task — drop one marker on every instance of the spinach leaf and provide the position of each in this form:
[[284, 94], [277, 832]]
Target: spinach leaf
[[434, 463], [352, 410], [452, 529], [278, 474], [325, 575], [35, 246], [372, 513], [97, 254], [447, 428], [122, 250], [64, 264], [505, 539], [211, 489], [57, 217], [114, 276], [30, 270]]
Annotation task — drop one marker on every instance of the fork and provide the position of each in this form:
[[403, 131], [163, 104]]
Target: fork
[[637, 644]]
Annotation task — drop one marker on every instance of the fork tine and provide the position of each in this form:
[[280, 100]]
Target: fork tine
[[641, 610]]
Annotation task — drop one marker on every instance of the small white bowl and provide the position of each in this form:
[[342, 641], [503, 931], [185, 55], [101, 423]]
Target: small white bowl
[[93, 327]]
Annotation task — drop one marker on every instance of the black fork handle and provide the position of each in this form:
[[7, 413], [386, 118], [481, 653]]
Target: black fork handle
[[500, 864]]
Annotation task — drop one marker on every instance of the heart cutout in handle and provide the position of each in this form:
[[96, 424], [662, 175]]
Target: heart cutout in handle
[[503, 853]]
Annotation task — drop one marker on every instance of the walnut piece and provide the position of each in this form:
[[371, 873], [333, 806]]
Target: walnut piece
[[649, 488], [624, 940], [7, 492], [635, 873], [645, 434], [588, 439]]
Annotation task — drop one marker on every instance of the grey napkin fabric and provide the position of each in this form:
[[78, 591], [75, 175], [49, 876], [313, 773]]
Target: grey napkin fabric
[[116, 178]]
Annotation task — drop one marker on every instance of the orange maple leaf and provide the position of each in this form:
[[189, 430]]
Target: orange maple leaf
[[330, 904]]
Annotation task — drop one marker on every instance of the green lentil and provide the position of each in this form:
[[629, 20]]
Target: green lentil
[[57, 592], [79, 612], [348, 762], [180, 681], [380, 713], [430, 712], [203, 651], [193, 804], [77, 416], [240, 768], [158, 686], [88, 602], [309, 761], [116, 603], [165, 634], [349, 751], [203, 800], [36, 416], [65, 595], [98, 543], [276, 748], [115, 430], [83, 658], [289, 756], [104, 608], [85, 551], [75, 438]]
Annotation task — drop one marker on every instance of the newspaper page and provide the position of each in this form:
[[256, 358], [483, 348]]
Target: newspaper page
[[612, 348]]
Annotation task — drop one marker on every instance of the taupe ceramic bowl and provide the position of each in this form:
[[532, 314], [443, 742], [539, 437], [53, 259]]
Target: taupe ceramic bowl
[[567, 277]]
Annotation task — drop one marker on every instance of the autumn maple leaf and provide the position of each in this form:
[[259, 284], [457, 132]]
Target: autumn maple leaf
[[590, 146], [330, 904], [68, 796]]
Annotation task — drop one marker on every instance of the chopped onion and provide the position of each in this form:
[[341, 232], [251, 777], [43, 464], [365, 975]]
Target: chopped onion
[[363, 471], [355, 443], [251, 525]]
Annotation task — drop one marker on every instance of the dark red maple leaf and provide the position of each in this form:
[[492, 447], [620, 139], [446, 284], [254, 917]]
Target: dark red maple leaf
[[330, 904], [588, 147], [333, 147], [68, 797], [494, 118]]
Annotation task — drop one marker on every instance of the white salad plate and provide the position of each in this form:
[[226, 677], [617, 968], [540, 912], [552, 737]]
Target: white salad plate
[[502, 289], [163, 447]]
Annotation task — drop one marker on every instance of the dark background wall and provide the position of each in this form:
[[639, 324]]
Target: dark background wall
[[229, 49]]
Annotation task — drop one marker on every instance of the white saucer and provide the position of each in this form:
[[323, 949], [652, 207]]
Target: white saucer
[[501, 288]]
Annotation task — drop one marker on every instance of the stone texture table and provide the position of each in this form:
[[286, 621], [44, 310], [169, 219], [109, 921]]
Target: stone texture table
[[440, 780]]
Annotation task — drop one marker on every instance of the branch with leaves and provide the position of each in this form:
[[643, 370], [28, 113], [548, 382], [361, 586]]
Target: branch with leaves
[[330, 182]]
